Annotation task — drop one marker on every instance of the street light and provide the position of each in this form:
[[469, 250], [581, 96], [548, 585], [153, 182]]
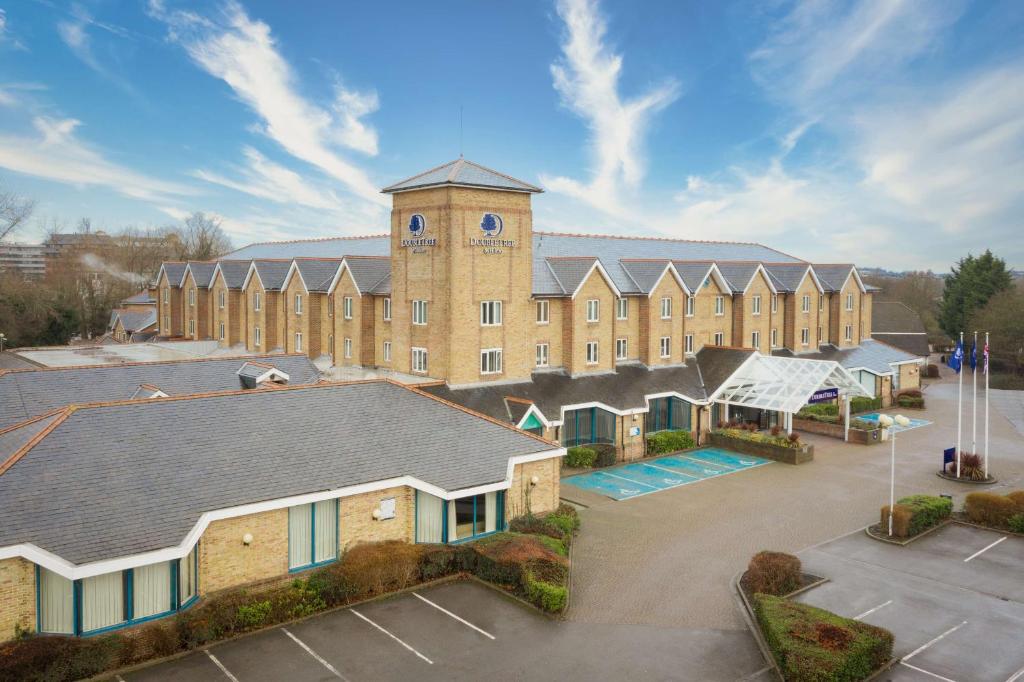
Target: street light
[[2, 339], [887, 422]]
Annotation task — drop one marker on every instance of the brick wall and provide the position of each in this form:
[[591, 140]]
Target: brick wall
[[17, 596], [225, 562], [543, 497], [367, 339], [668, 288], [595, 287], [356, 522]]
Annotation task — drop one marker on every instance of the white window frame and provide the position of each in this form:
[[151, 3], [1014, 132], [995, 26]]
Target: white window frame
[[191, 326], [257, 336], [665, 346], [221, 330], [543, 355], [346, 306], [688, 344], [419, 312], [330, 305], [593, 310], [387, 309], [298, 304], [821, 304], [387, 351], [719, 306], [805, 304], [755, 339], [221, 298], [621, 348], [298, 342], [543, 312], [775, 338], [593, 353], [805, 336], [849, 332], [257, 301], [775, 303], [719, 338], [490, 313], [346, 346], [755, 305], [691, 304], [167, 296], [849, 303], [622, 308], [666, 307], [191, 296], [419, 360], [490, 361]]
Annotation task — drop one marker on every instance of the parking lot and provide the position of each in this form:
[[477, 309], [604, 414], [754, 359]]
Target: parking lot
[[460, 631], [954, 599]]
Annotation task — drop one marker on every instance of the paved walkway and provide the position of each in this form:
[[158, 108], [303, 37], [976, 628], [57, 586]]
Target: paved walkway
[[667, 558], [1011, 405]]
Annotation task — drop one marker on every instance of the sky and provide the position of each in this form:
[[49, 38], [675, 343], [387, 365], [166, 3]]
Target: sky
[[887, 133]]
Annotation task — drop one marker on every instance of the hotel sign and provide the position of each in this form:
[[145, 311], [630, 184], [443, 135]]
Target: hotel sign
[[416, 240], [824, 395], [492, 226]]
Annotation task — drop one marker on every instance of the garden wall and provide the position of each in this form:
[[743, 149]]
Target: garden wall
[[858, 436], [779, 453]]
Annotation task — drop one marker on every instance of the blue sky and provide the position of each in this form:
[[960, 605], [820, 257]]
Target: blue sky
[[882, 132]]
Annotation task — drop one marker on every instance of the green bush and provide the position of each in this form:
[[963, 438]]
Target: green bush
[[863, 424], [791, 441], [813, 645], [59, 658], [606, 456], [254, 615], [773, 573], [566, 518], [862, 404], [668, 441], [926, 511], [551, 598], [819, 409], [1016, 523], [990, 509], [909, 401], [580, 457], [532, 566]]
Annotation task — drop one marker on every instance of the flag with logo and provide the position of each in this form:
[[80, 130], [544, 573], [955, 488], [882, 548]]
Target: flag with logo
[[956, 360], [984, 355], [974, 355]]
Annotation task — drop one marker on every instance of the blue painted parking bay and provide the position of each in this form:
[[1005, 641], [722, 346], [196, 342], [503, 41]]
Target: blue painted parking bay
[[671, 471]]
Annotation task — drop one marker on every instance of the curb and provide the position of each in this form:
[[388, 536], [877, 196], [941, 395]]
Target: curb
[[943, 475], [904, 543]]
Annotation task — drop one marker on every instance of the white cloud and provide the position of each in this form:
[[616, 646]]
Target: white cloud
[[587, 79], [243, 53], [6, 37], [55, 153], [74, 32]]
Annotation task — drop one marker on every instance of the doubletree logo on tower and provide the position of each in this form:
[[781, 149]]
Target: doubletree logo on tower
[[417, 225], [492, 226]]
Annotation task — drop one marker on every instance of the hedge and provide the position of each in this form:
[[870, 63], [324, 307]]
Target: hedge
[[774, 573], [533, 566], [916, 514], [580, 457], [991, 509], [668, 441], [813, 645], [790, 441], [818, 409], [909, 401], [862, 404]]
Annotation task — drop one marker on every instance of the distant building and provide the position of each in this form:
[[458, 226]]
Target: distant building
[[28, 259], [897, 324]]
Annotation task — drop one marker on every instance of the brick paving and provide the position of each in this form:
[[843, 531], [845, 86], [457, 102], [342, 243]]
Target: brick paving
[[667, 558]]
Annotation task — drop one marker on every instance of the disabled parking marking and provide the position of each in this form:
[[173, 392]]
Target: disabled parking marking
[[665, 479], [727, 467], [985, 549], [870, 611], [646, 485], [315, 655], [672, 471], [447, 612], [220, 665], [353, 611]]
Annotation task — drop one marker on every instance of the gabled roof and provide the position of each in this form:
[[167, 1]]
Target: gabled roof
[[316, 273], [695, 275], [174, 270], [788, 277], [741, 275], [871, 355], [329, 247], [147, 391], [135, 320], [894, 317], [253, 374], [833, 276], [202, 273], [462, 173], [271, 273], [234, 272], [368, 272], [646, 275], [31, 392], [141, 298]]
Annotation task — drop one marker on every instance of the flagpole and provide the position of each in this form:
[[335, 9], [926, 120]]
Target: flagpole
[[959, 406], [986, 404], [974, 400]]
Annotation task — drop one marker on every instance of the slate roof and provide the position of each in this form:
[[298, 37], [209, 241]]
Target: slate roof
[[645, 274], [63, 494], [897, 324], [369, 273], [622, 390], [141, 298], [234, 272], [692, 274], [175, 271], [333, 247], [272, 272], [738, 274], [871, 355], [569, 273], [786, 276], [832, 277], [202, 272], [317, 273], [134, 321], [28, 393], [464, 173], [383, 287]]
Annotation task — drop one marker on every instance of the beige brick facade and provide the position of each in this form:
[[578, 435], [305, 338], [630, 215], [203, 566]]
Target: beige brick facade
[[225, 561], [17, 597], [706, 323], [168, 302], [356, 522], [296, 305], [654, 326], [351, 328], [584, 332], [523, 496]]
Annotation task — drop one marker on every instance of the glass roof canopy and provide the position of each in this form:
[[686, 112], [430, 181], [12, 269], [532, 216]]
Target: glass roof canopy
[[784, 384]]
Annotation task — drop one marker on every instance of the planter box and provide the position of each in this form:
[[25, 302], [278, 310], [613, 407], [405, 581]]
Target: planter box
[[858, 436], [779, 453]]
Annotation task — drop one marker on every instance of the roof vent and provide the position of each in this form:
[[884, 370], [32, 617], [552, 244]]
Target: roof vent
[[256, 374]]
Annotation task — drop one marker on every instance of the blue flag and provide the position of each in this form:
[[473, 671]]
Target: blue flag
[[956, 360], [974, 355]]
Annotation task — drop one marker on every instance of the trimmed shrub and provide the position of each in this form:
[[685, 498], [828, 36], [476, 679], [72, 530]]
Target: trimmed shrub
[[818, 409], [605, 454], [863, 424], [772, 573], [550, 597], [911, 393], [668, 441], [931, 372], [814, 645], [909, 401], [529, 565], [254, 615], [58, 658], [1016, 523], [990, 509], [377, 567], [536, 525], [790, 441], [580, 457], [900, 520], [862, 404], [925, 511], [566, 518]]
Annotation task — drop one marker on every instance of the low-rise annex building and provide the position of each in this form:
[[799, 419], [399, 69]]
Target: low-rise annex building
[[231, 501]]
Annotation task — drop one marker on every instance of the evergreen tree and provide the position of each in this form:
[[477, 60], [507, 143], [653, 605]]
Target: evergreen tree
[[972, 283]]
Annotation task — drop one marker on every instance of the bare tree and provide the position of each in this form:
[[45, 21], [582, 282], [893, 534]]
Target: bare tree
[[14, 211], [202, 238]]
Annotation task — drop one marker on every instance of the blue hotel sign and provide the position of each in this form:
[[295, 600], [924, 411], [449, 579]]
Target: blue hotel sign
[[824, 395]]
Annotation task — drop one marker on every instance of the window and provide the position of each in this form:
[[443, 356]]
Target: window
[[387, 351], [849, 332], [490, 361], [419, 312], [755, 340], [849, 302], [775, 338], [167, 323], [330, 345], [719, 339], [298, 304], [256, 300], [805, 305], [543, 312], [542, 355], [419, 360], [775, 303], [805, 336], [221, 299], [151, 590], [346, 305], [592, 352], [668, 414], [188, 577], [588, 425], [621, 349], [490, 313], [167, 296], [821, 304], [719, 305], [593, 310], [755, 305], [312, 534], [622, 308], [256, 336], [666, 346], [56, 603], [221, 331], [330, 305], [191, 296], [298, 342], [387, 309], [347, 346], [666, 308], [690, 301], [470, 517], [191, 327], [102, 598], [688, 343]]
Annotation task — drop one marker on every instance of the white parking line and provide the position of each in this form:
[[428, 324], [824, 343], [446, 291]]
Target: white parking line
[[671, 471], [870, 611], [389, 635], [919, 649], [1016, 676], [446, 611], [646, 485], [927, 672], [220, 665], [315, 655], [727, 467], [985, 549]]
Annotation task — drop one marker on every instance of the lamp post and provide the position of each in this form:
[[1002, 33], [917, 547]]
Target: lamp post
[[887, 422], [2, 339]]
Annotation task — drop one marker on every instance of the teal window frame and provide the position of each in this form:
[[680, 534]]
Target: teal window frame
[[591, 437], [654, 415], [312, 539], [499, 523]]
